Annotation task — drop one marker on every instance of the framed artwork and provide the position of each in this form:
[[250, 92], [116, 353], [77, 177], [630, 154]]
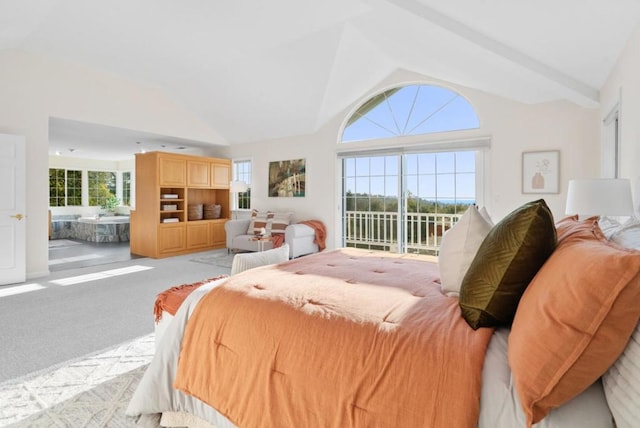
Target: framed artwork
[[287, 178], [541, 172]]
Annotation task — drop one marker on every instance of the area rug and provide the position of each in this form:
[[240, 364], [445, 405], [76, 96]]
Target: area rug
[[102, 406], [92, 391], [221, 259]]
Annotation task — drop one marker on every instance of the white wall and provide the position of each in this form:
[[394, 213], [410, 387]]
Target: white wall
[[623, 86], [513, 127], [34, 88]]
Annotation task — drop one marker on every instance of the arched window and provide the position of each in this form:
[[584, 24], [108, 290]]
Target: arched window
[[403, 197], [410, 110]]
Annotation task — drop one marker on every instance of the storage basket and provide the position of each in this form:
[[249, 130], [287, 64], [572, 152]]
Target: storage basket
[[194, 212], [212, 211]]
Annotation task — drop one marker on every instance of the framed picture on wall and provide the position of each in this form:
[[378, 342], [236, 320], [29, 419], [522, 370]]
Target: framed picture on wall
[[287, 178], [541, 172]]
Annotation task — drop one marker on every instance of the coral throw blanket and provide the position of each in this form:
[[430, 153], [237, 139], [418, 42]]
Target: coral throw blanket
[[345, 338], [320, 230], [170, 300]]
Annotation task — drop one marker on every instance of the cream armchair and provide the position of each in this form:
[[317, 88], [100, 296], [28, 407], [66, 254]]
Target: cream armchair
[[299, 237]]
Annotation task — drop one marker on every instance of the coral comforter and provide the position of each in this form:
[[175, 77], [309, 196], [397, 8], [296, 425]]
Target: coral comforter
[[343, 338]]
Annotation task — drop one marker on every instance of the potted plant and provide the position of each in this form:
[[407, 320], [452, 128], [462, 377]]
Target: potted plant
[[110, 204]]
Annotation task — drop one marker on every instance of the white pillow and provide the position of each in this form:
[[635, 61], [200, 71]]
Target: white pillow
[[622, 381], [245, 261], [608, 226], [459, 247], [627, 235], [622, 385], [485, 215]]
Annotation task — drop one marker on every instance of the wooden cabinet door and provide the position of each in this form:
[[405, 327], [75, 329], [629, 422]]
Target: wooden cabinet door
[[172, 238], [218, 235], [173, 172], [220, 175], [197, 235], [198, 173]]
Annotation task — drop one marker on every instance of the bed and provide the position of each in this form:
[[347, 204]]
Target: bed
[[357, 338]]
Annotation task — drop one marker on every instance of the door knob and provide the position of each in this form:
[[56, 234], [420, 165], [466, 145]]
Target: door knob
[[18, 216]]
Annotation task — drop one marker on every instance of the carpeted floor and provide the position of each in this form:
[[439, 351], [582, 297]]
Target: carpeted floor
[[82, 311], [93, 391], [58, 243], [221, 259]]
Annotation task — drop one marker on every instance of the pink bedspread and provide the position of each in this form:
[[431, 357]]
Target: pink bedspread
[[346, 338]]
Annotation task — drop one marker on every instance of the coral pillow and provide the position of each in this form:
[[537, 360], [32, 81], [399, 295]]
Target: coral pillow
[[458, 248], [574, 319], [507, 260]]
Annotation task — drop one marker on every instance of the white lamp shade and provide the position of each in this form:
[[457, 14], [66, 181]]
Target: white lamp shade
[[238, 187], [599, 197]]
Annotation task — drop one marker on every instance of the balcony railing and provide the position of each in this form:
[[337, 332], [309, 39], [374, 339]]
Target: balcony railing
[[379, 230]]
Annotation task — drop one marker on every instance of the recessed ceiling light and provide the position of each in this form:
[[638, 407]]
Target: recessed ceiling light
[[180, 148]]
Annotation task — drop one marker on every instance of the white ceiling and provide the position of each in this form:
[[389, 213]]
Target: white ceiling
[[256, 70]]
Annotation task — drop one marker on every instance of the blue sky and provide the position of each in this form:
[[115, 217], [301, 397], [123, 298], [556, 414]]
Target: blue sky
[[413, 110]]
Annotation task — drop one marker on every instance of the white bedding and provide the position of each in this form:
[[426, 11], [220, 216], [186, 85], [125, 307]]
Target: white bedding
[[499, 407], [155, 393]]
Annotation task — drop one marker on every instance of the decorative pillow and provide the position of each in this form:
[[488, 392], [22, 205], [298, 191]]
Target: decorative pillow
[[458, 248], [279, 222], [258, 221], [573, 320], [505, 263]]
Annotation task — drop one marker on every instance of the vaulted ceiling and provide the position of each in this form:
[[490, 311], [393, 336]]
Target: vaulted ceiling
[[255, 70]]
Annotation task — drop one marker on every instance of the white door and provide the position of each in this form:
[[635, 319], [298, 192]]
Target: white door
[[13, 230]]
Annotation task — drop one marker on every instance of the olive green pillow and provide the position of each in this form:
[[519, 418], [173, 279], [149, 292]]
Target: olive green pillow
[[507, 260]]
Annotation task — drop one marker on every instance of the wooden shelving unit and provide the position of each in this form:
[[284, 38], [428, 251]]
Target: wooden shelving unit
[[160, 231]]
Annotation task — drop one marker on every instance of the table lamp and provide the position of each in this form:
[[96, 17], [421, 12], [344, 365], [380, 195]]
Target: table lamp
[[599, 197], [235, 187]]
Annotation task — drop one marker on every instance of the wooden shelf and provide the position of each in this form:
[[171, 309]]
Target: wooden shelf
[[195, 180]]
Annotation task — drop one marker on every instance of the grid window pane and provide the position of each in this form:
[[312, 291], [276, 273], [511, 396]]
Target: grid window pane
[[57, 194], [126, 188], [102, 185], [433, 194], [242, 172], [65, 187], [74, 188]]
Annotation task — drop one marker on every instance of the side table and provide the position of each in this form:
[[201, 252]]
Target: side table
[[261, 240]]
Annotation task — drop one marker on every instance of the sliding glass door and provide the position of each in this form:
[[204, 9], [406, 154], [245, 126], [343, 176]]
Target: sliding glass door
[[405, 202]]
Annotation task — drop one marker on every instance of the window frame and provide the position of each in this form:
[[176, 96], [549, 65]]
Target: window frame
[[126, 188], [450, 141], [66, 190], [242, 170], [112, 189], [428, 110]]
